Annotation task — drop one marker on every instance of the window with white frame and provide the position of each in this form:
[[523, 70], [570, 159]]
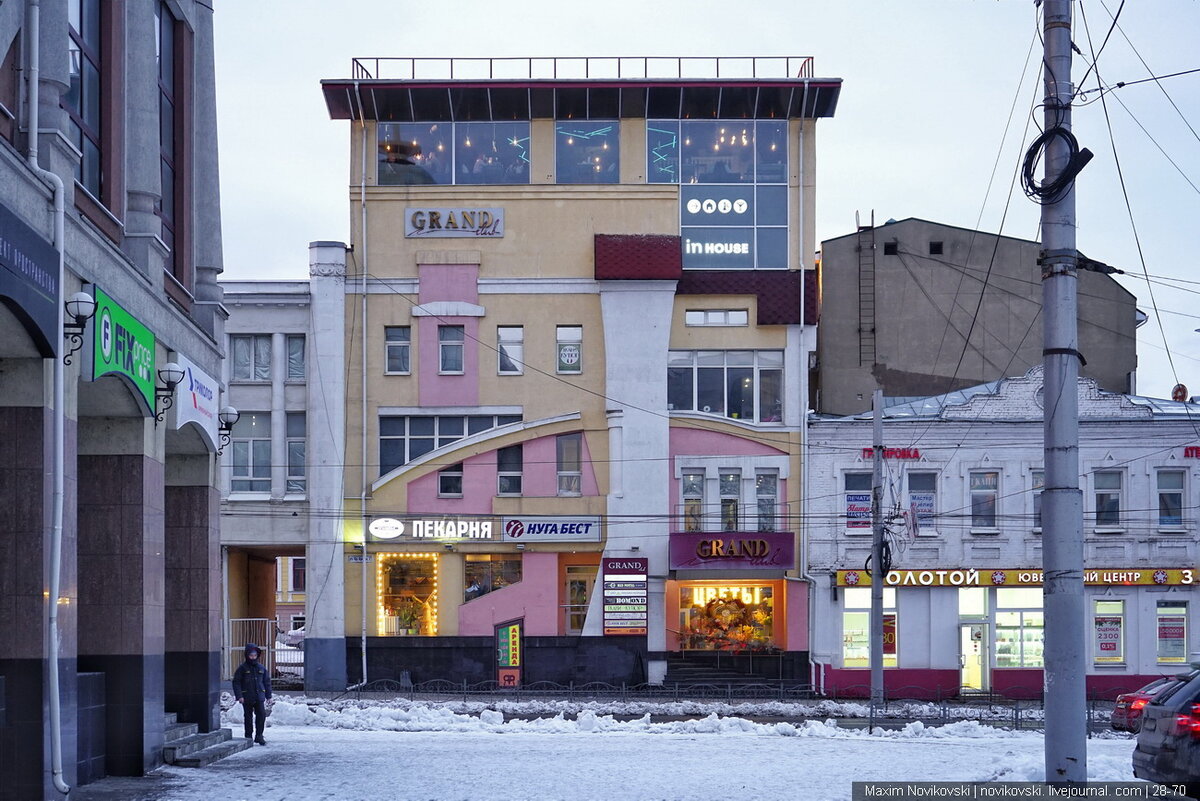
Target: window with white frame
[[569, 450], [985, 492], [251, 357], [692, 491], [297, 483], [510, 463], [730, 485], [739, 384], [510, 349], [295, 357], [451, 341], [856, 631], [857, 497], [1107, 485], [398, 346], [1172, 617], [570, 348], [250, 442], [1170, 498], [1038, 483], [1020, 627], [716, 317], [450, 481], [1108, 642], [299, 576], [922, 499], [766, 490], [405, 438]]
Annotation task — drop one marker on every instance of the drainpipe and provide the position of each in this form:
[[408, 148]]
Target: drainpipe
[[58, 458], [362, 263]]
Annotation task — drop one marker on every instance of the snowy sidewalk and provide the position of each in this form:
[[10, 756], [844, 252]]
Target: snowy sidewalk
[[380, 751]]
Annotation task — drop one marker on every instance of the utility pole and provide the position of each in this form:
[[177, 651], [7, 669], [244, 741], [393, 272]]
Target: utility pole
[[1062, 503], [878, 570]]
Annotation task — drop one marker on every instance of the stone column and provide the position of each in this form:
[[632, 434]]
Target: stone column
[[193, 592], [121, 586], [325, 612]]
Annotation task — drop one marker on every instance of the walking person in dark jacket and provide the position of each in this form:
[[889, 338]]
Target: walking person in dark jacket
[[252, 689]]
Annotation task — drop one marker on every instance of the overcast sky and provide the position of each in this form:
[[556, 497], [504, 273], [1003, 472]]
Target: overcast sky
[[930, 89]]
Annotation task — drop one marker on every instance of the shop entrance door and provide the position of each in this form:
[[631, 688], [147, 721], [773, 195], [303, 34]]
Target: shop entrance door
[[578, 592], [972, 657]]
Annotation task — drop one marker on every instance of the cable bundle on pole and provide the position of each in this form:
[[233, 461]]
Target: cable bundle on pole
[[1053, 190]]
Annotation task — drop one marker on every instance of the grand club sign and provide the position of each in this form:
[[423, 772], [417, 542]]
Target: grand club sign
[[449, 223], [769, 550]]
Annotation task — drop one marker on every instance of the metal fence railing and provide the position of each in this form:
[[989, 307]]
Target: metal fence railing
[[239, 631], [583, 67]]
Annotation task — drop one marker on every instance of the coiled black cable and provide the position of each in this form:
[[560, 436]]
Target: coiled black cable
[[1052, 191]]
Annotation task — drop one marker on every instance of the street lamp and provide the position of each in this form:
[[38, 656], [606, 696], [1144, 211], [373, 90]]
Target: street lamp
[[228, 416], [170, 374], [80, 308]]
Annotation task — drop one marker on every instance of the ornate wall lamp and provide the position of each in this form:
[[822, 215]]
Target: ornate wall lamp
[[228, 417], [170, 374], [80, 309]]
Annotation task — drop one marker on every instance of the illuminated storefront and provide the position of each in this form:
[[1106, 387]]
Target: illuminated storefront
[[724, 617], [992, 624]]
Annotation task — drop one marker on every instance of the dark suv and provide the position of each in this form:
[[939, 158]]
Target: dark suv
[[1168, 746]]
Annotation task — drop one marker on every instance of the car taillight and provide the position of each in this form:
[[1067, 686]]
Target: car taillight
[[1139, 703], [1189, 723]]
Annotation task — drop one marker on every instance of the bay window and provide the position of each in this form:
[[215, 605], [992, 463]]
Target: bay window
[[739, 384]]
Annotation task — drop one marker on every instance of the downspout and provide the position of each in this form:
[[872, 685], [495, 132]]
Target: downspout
[[816, 668], [58, 458], [362, 266]]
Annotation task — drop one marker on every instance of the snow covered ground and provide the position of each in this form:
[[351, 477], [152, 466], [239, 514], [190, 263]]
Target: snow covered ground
[[320, 749]]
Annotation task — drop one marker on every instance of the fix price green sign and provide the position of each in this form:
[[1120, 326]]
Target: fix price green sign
[[121, 345]]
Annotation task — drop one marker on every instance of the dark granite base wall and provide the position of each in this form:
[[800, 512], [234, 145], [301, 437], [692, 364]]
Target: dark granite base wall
[[90, 756], [472, 659], [134, 720], [192, 687], [325, 664], [24, 733]]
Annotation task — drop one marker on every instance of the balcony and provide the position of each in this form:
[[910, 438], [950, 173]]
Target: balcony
[[719, 518]]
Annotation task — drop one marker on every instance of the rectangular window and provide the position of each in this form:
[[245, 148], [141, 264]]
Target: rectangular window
[[766, 488], [586, 152], [9, 91], [716, 317], [485, 572], [510, 462], [858, 500], [453, 152], [1109, 627], [510, 349], [83, 98], [295, 357], [1172, 631], [922, 500], [692, 490], [167, 118], [298, 579], [451, 339], [1038, 478], [296, 437], [569, 448], [1108, 498], [407, 592], [570, 349], [739, 384], [398, 347], [856, 627], [985, 491], [450, 481], [1170, 498], [731, 495], [1020, 627], [403, 439], [251, 357], [251, 443]]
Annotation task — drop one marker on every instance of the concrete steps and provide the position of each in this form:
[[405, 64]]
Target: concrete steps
[[186, 747]]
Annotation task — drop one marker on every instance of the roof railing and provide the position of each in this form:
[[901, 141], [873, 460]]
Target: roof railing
[[584, 68]]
